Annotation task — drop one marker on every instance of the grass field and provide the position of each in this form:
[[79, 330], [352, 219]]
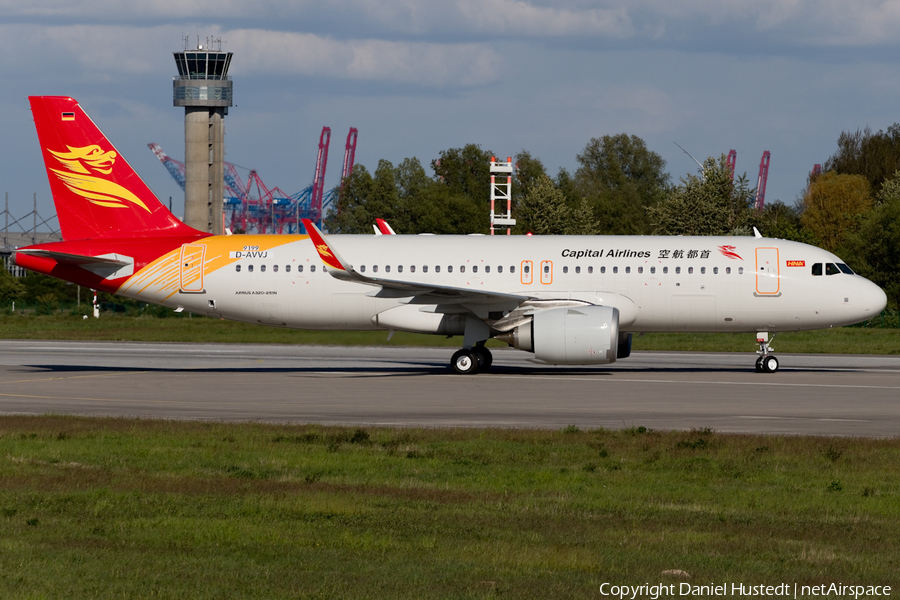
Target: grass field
[[115, 508], [844, 340]]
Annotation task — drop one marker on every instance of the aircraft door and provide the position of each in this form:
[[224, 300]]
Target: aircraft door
[[527, 276], [768, 276], [192, 267], [546, 272]]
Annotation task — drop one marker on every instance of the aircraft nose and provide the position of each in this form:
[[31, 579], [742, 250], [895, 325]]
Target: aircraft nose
[[873, 299]]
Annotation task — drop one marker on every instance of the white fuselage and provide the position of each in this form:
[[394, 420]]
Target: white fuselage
[[725, 284]]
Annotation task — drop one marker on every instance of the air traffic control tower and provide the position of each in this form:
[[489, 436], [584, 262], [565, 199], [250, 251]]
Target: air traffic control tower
[[204, 90]]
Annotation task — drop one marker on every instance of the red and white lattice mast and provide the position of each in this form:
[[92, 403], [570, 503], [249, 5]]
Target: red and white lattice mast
[[501, 191]]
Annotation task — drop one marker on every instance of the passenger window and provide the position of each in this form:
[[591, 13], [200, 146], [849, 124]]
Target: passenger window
[[474, 268], [424, 268], [831, 269], [299, 268], [665, 270], [728, 270], [640, 270], [449, 268], [237, 268], [577, 269], [374, 268], [262, 268], [412, 268], [487, 269], [362, 268], [678, 270], [274, 268], [500, 269], [249, 268], [591, 270], [287, 268], [387, 268], [513, 270], [628, 269], [740, 270], [400, 269], [462, 269], [690, 270], [615, 269], [437, 268], [565, 269], [652, 270], [715, 270], [703, 270], [312, 268]]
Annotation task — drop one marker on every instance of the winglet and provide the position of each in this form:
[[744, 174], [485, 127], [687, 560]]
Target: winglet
[[331, 258]]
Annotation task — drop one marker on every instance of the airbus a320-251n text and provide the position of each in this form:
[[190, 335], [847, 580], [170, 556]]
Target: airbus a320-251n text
[[569, 300]]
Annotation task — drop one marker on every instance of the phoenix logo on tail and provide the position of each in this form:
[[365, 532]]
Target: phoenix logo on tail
[[81, 163]]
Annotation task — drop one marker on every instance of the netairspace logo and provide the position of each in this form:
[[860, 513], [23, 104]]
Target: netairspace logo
[[713, 590]]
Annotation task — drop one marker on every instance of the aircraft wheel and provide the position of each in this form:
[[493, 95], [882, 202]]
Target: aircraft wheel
[[464, 362], [484, 356], [770, 364], [759, 364]]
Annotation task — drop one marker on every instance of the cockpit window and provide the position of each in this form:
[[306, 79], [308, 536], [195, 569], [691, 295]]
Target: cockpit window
[[817, 269], [845, 269], [831, 269]]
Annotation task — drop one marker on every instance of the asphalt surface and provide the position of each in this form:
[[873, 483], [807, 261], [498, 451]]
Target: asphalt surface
[[855, 395]]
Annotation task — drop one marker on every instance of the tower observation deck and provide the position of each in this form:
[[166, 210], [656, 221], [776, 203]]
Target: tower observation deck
[[204, 90]]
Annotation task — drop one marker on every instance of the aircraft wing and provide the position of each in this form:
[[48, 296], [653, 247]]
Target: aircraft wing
[[479, 302]]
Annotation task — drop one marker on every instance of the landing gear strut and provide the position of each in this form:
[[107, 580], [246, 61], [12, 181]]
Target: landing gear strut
[[766, 363]]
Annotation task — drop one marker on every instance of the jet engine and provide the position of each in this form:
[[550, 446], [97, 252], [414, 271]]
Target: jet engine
[[572, 335]]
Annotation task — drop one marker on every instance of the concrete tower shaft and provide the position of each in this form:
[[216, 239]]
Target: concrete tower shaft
[[204, 90]]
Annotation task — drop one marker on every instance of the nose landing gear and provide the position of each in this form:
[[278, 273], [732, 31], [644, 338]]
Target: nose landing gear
[[766, 363]]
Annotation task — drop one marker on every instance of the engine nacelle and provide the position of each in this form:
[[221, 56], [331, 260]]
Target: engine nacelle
[[572, 335]]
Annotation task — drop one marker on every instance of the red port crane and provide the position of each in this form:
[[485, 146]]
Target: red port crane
[[761, 181]]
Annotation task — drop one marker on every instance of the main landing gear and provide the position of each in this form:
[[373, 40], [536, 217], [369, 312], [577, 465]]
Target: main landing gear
[[766, 363], [472, 360]]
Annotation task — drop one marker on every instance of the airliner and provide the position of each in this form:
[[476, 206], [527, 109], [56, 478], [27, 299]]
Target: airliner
[[567, 300]]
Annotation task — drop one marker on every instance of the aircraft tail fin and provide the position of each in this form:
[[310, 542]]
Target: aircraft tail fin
[[95, 190]]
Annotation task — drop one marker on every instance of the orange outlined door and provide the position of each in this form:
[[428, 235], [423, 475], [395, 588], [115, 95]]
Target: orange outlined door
[[768, 280], [526, 272], [546, 272], [192, 267]]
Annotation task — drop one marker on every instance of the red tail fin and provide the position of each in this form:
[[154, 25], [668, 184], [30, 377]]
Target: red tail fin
[[96, 192]]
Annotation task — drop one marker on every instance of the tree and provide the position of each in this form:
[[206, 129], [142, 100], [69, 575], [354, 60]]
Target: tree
[[833, 206], [621, 178], [711, 204], [11, 289], [875, 156], [874, 250], [465, 171], [543, 211], [778, 220]]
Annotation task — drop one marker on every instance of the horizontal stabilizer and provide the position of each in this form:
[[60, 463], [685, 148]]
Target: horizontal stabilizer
[[108, 266]]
